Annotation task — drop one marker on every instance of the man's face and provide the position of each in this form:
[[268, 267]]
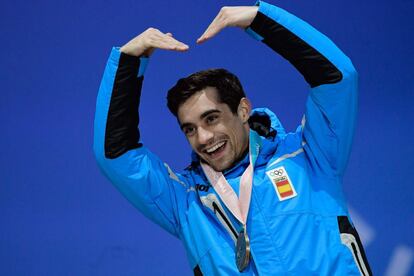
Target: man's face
[[217, 135]]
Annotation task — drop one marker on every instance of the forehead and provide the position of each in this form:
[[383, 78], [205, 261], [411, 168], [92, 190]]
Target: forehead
[[202, 101]]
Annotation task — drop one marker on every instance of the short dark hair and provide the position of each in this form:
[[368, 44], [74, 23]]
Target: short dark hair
[[229, 88]]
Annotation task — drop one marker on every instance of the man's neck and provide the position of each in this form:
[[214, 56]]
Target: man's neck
[[240, 160]]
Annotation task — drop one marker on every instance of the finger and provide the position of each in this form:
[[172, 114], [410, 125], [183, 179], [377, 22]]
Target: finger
[[214, 28], [209, 32], [177, 45], [169, 37], [167, 42], [160, 35], [173, 46]]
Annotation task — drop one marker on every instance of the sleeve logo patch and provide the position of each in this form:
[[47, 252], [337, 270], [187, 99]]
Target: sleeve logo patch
[[282, 183]]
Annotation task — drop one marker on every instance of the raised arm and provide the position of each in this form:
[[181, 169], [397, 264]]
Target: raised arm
[[329, 121], [136, 172]]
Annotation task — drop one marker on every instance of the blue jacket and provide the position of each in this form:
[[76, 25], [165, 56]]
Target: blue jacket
[[298, 223]]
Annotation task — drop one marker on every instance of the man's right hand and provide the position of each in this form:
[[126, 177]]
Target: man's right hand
[[151, 39]]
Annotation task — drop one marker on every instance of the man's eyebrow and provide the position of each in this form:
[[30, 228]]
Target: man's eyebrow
[[208, 112]]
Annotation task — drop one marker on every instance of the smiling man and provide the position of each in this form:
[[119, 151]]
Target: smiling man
[[255, 199], [218, 136]]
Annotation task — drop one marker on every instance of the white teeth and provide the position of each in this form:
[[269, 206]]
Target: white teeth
[[210, 150]]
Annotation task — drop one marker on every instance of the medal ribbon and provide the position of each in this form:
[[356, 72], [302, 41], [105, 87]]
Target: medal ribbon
[[238, 206]]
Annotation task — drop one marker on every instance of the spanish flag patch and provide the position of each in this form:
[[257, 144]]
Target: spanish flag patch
[[282, 183]]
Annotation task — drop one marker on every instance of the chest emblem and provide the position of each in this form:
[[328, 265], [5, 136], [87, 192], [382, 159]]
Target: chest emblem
[[281, 182]]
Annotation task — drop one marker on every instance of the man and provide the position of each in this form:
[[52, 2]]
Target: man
[[255, 199]]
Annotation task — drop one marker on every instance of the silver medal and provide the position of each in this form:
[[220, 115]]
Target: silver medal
[[242, 251]]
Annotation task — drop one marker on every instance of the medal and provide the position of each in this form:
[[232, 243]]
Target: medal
[[242, 251], [238, 206]]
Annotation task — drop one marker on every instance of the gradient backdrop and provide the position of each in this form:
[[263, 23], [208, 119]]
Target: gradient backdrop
[[60, 216]]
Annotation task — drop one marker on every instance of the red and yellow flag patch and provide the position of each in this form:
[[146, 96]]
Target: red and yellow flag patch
[[282, 183]]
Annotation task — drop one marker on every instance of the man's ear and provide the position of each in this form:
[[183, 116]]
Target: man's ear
[[244, 109]]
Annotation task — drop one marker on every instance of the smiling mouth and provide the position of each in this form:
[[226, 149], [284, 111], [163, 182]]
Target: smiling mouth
[[215, 150]]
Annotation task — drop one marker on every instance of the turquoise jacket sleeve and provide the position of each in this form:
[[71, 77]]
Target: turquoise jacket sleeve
[[329, 121], [135, 171]]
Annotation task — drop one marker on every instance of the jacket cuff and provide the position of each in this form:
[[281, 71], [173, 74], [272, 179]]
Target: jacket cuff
[[129, 61], [257, 24]]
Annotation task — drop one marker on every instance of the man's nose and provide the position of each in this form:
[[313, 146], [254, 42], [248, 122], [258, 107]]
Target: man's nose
[[204, 136]]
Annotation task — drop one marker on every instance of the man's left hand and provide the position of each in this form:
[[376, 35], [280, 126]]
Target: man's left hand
[[229, 17]]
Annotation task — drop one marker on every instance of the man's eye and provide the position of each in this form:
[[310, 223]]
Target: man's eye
[[188, 131], [212, 119]]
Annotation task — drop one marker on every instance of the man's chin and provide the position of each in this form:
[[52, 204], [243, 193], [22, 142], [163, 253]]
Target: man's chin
[[220, 166]]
